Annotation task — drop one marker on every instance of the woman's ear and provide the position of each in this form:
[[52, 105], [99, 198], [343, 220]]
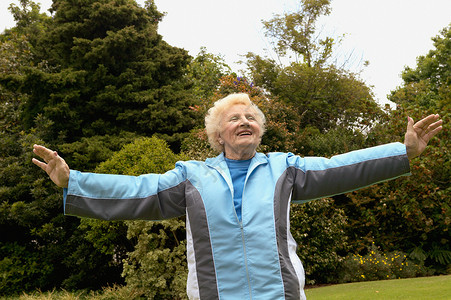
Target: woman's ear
[[219, 139]]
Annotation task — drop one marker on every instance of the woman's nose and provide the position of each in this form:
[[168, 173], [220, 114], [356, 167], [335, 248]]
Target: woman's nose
[[244, 122]]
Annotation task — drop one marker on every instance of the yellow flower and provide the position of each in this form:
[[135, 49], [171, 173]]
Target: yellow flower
[[363, 276]]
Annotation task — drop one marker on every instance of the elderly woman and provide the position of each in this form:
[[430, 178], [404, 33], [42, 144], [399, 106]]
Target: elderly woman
[[239, 244]]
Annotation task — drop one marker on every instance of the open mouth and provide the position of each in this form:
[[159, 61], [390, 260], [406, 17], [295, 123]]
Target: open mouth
[[244, 133]]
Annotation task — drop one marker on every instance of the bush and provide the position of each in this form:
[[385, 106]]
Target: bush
[[377, 265], [318, 228], [156, 267]]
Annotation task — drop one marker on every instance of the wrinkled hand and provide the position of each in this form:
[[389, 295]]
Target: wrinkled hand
[[418, 134], [54, 165]]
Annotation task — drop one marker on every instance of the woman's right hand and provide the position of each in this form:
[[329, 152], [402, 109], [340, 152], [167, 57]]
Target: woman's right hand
[[54, 165]]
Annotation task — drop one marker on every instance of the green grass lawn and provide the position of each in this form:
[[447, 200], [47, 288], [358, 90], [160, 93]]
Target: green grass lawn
[[436, 287]]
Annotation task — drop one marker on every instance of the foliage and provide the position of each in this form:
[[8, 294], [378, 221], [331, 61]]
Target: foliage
[[332, 142], [107, 293], [155, 264], [319, 229], [407, 213], [295, 33], [433, 67], [377, 265], [33, 235], [428, 86], [412, 214], [30, 23], [59, 87], [323, 100], [87, 153], [37, 242], [108, 71], [322, 97], [196, 145], [204, 73]]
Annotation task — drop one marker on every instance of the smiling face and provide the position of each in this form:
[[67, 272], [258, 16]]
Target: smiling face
[[240, 132]]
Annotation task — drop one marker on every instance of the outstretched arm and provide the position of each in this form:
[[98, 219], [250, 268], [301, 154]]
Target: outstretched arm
[[418, 134], [53, 164]]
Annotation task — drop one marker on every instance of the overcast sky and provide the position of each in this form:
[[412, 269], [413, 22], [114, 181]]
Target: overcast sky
[[390, 34]]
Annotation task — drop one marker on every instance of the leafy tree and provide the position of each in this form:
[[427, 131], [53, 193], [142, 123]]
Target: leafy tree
[[412, 214], [432, 70], [295, 33], [29, 21], [324, 96], [204, 73]]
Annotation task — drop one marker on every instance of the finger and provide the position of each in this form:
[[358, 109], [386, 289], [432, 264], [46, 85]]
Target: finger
[[425, 122], [43, 152], [40, 164], [435, 125], [437, 128], [429, 131], [410, 124]]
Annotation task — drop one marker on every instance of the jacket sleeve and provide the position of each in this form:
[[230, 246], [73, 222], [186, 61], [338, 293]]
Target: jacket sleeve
[[317, 177], [121, 197]]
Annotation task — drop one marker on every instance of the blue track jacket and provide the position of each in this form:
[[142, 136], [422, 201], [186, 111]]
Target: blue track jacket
[[228, 259]]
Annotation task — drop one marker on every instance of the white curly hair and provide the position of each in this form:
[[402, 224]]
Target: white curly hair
[[214, 117]]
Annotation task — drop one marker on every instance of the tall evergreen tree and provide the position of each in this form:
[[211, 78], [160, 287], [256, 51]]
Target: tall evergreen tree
[[108, 71], [88, 80]]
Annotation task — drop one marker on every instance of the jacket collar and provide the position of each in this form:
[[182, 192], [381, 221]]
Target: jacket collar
[[219, 161], [220, 165]]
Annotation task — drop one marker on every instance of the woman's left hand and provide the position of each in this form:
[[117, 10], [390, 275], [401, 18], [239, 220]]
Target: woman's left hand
[[54, 165], [418, 134]]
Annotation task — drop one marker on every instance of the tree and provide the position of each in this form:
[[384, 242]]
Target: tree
[[324, 96], [295, 33], [77, 93], [29, 21], [412, 214], [204, 73], [109, 71], [26, 260]]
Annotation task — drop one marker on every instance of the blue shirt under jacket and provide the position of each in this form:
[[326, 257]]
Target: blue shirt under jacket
[[238, 170]]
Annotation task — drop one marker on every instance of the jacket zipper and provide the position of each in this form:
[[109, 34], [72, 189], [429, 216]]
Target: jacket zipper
[[242, 231], [245, 258], [241, 223]]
